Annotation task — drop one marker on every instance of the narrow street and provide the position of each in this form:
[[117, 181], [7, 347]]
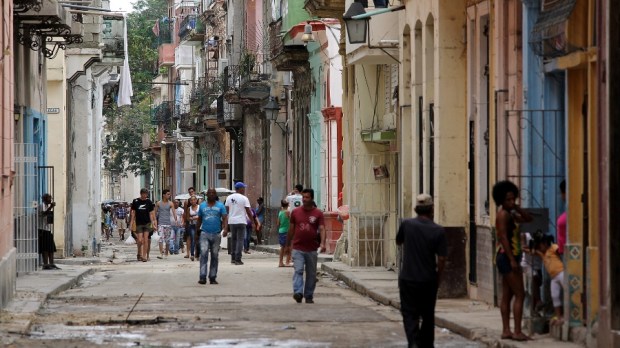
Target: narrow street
[[251, 306]]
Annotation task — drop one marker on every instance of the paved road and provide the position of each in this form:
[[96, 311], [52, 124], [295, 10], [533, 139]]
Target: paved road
[[252, 306]]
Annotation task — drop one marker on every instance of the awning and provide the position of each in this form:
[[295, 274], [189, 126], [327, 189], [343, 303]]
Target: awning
[[548, 37]]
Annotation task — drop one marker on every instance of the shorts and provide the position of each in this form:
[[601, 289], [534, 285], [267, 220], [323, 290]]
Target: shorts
[[121, 224], [165, 232], [282, 239], [503, 263]]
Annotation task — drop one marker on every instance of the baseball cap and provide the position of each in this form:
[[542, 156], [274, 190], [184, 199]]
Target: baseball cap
[[240, 185], [423, 200]]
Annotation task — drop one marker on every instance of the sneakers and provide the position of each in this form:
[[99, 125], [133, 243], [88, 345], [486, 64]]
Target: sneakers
[[239, 262], [213, 281], [161, 256], [202, 281], [298, 297], [309, 300]]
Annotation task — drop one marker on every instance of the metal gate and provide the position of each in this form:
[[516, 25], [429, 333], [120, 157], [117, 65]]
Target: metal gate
[[372, 224], [25, 205], [535, 157]]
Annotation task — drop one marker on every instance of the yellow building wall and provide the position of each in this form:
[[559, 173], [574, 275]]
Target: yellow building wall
[[57, 143]]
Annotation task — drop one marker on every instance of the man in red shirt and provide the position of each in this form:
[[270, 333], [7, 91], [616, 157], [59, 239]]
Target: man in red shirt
[[307, 234]]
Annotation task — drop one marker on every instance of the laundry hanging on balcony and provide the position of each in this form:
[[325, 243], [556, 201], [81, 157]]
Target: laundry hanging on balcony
[[125, 90]]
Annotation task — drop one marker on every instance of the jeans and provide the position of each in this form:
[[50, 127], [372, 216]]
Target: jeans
[[247, 238], [238, 232], [191, 232], [175, 245], [307, 259], [209, 244], [417, 300]]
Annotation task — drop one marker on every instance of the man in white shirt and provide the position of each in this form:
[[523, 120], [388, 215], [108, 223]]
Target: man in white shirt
[[294, 199], [239, 210]]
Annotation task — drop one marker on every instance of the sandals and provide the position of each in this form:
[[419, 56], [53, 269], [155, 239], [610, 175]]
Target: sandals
[[520, 337]]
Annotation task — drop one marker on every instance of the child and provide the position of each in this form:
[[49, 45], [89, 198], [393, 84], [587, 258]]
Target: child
[[282, 227], [554, 266]]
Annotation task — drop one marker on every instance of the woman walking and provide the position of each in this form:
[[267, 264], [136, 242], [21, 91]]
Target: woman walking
[[191, 217], [508, 257]]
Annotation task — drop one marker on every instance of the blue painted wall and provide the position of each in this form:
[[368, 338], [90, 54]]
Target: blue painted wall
[[35, 132], [543, 129]]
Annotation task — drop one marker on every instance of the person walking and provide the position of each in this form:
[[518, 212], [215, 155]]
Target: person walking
[[191, 218], [508, 256], [238, 209], [213, 217], [143, 218], [166, 216], [306, 233], [121, 220], [282, 225], [294, 199], [47, 247], [178, 227], [424, 257]]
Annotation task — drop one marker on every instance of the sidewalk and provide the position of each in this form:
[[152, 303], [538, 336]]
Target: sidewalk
[[471, 319], [33, 289]]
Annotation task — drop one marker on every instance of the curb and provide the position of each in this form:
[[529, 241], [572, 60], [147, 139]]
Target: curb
[[475, 334]]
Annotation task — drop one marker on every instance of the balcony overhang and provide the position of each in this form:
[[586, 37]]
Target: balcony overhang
[[255, 90], [114, 43], [325, 8], [291, 58]]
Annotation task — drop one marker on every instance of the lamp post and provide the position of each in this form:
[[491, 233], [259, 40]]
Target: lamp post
[[307, 36]]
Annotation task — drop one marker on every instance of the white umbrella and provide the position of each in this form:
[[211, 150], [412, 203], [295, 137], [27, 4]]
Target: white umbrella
[[185, 196]]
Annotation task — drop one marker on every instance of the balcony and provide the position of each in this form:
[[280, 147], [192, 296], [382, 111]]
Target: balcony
[[165, 44], [228, 115], [46, 26], [183, 56], [162, 113], [112, 36], [382, 43], [192, 30], [325, 8], [291, 56]]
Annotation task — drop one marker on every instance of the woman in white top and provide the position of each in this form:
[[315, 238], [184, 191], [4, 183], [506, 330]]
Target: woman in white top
[[191, 218]]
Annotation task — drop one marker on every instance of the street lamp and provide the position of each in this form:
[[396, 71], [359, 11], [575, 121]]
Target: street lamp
[[357, 29], [272, 110], [307, 36]]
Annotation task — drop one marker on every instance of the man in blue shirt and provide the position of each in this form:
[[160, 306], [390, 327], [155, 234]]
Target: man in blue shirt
[[213, 217]]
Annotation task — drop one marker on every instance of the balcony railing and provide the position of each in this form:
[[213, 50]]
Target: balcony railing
[[192, 28], [162, 113], [166, 29]]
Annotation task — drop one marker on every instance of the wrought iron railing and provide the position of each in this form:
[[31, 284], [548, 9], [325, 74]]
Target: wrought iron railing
[[191, 24], [165, 31], [161, 113]]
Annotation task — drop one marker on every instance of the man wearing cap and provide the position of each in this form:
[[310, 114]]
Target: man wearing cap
[[424, 257], [238, 208]]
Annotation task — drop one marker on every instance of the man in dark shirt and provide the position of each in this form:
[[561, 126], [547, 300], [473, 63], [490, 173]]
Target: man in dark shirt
[[143, 213], [424, 256]]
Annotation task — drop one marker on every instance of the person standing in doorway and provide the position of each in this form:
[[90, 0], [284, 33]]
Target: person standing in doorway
[[561, 222], [239, 209], [424, 258], [260, 215], [47, 247], [213, 217], [166, 216], [508, 256], [306, 234], [143, 217]]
